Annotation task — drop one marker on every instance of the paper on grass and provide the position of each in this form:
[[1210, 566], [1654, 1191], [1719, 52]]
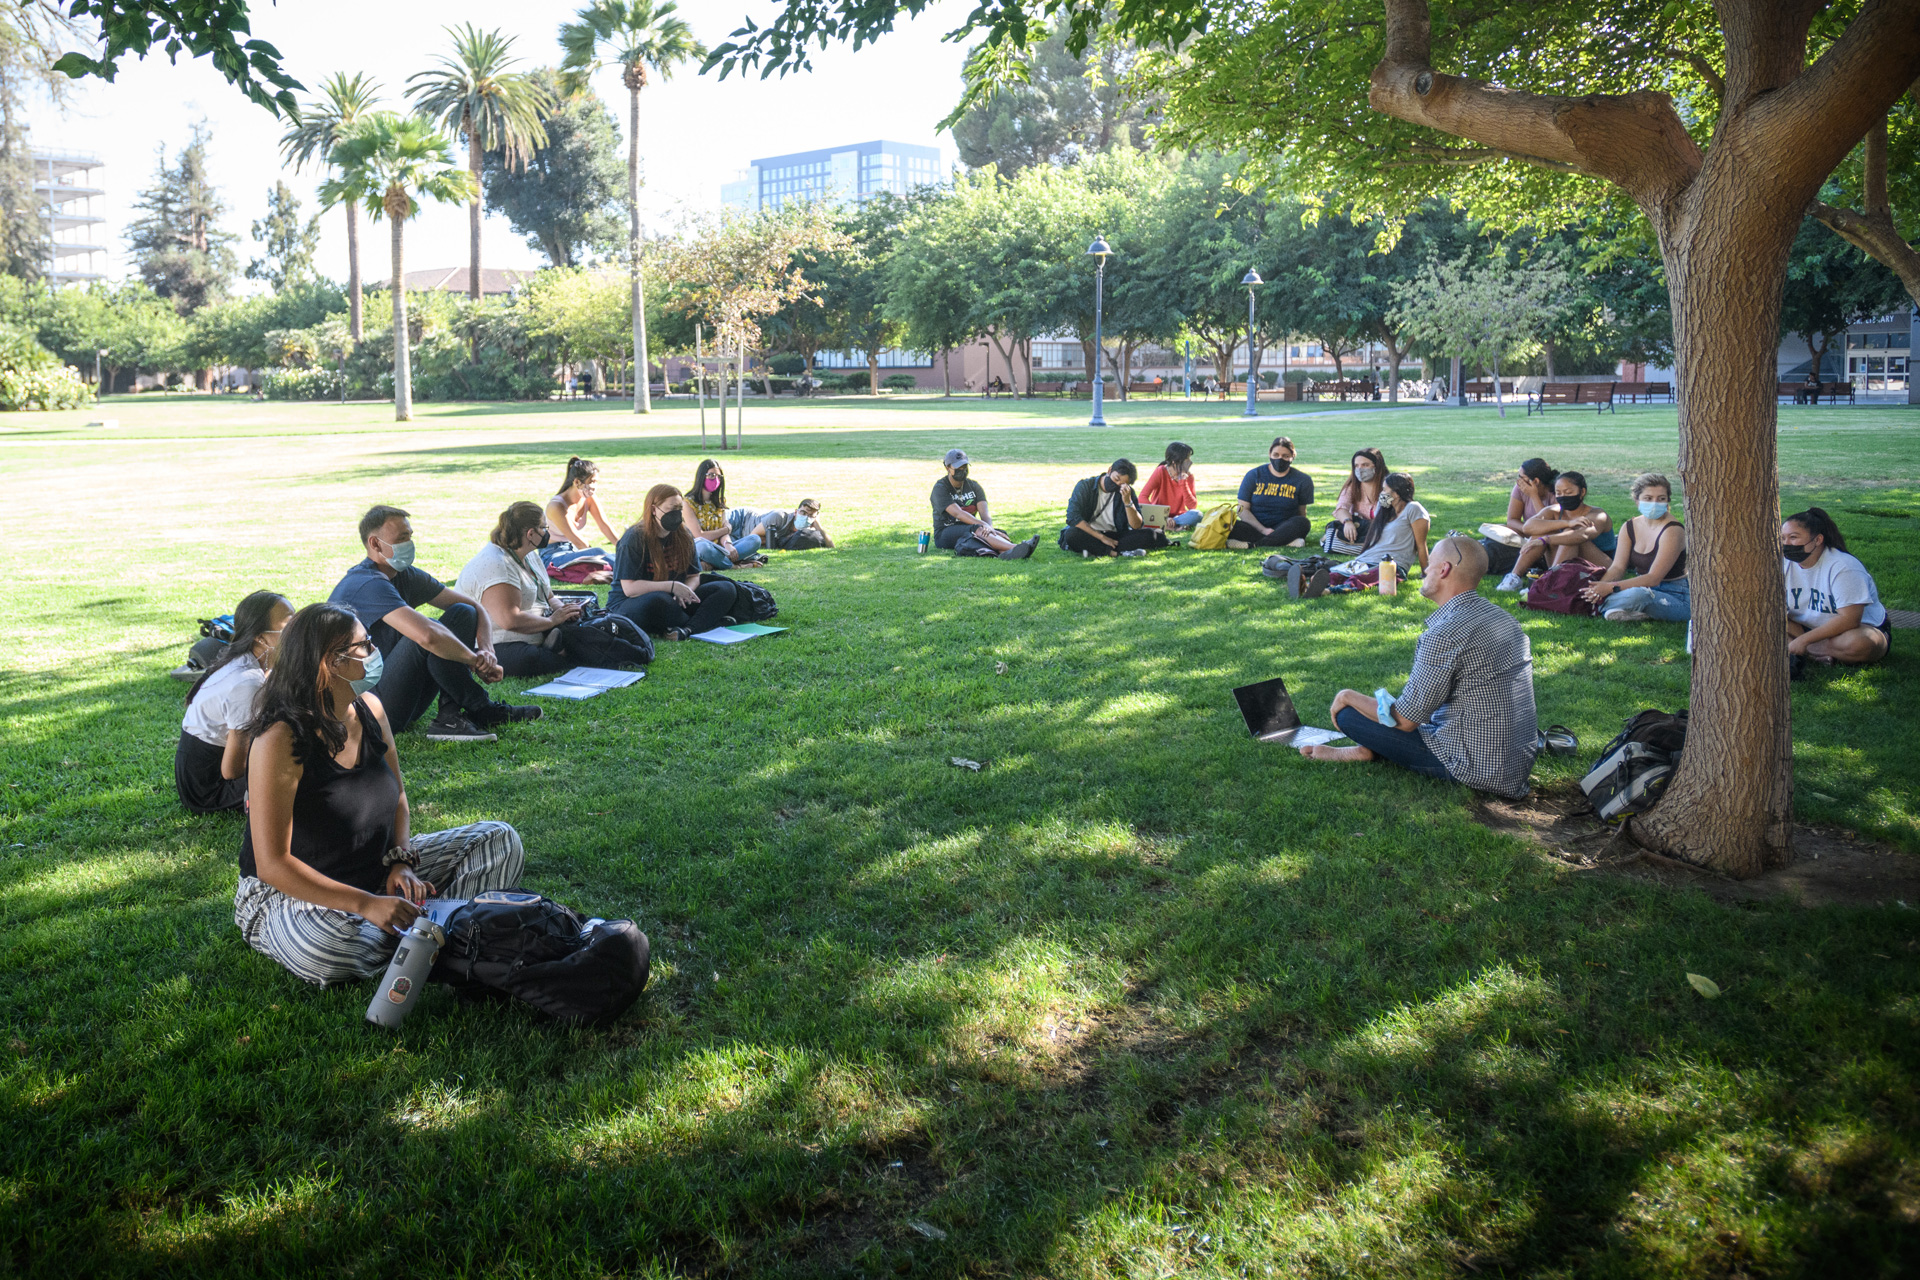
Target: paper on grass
[[736, 633], [582, 683], [1308, 735]]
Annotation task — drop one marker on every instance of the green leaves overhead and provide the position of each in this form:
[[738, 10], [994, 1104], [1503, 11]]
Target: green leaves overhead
[[209, 29]]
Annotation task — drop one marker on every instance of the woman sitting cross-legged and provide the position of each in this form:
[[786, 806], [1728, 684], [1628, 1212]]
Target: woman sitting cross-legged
[[1648, 577], [656, 573], [1103, 519], [1170, 485], [714, 537], [1834, 612], [1273, 502], [1567, 530], [210, 763], [1398, 532], [568, 553], [519, 603], [330, 871], [1359, 502]]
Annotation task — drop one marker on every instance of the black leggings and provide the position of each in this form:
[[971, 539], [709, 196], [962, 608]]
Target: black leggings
[[1286, 531], [1079, 540], [658, 612], [519, 659]]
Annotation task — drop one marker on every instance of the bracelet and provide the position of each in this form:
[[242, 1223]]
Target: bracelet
[[401, 854]]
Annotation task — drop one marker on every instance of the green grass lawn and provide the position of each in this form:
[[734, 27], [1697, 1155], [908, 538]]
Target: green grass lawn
[[1140, 998]]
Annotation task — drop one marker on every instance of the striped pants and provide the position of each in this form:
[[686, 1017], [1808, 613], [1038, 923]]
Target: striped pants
[[323, 945]]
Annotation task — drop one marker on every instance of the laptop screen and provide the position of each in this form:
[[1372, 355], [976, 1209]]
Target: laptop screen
[[1267, 707]]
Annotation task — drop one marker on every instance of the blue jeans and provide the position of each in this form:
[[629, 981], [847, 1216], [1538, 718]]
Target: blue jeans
[[1669, 602], [1186, 519], [714, 556], [1408, 750]]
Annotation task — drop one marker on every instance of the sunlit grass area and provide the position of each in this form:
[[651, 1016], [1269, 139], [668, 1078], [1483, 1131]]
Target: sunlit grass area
[[1139, 998]]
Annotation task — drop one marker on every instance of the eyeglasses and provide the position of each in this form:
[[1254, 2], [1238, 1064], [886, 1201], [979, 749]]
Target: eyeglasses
[[359, 649]]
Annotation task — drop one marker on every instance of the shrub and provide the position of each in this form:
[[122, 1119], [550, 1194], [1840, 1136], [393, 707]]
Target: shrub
[[317, 383], [900, 382], [787, 363], [32, 377]]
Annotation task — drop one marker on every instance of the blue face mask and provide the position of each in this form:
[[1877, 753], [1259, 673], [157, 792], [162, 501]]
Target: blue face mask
[[374, 664], [1653, 510], [401, 557]]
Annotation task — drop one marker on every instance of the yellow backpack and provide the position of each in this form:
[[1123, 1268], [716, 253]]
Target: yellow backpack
[[1211, 533]]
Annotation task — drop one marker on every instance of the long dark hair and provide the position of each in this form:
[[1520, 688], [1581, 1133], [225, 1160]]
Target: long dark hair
[[1537, 470], [252, 619], [1821, 525], [1402, 486], [579, 471], [699, 491], [1179, 455], [673, 554], [1353, 484], [298, 692]]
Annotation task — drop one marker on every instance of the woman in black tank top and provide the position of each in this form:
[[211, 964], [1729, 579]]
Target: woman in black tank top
[[1648, 577], [328, 821]]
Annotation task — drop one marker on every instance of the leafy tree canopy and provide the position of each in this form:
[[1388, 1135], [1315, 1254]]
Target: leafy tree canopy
[[569, 197], [290, 241], [176, 242], [1053, 106], [210, 29]]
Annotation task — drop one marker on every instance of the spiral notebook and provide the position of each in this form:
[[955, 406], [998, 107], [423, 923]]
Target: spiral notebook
[[582, 683]]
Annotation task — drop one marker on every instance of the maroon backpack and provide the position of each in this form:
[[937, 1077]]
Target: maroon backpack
[[1558, 589]]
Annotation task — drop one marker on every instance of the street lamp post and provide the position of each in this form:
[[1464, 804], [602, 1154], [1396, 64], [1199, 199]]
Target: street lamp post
[[1251, 279], [98, 355], [1098, 251]]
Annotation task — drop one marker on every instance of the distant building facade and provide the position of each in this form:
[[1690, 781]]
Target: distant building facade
[[494, 281], [848, 174], [65, 187]]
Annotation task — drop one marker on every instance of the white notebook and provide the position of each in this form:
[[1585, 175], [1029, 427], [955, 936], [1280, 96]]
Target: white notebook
[[582, 683]]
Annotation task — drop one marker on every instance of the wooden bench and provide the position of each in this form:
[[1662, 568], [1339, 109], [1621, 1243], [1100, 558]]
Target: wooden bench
[[1809, 393], [1343, 387], [1834, 390], [1145, 388], [1634, 390], [1055, 389], [1597, 394], [1481, 390]]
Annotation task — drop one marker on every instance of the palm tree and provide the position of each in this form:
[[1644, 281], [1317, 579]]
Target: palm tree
[[634, 35], [474, 95], [317, 129], [386, 162]]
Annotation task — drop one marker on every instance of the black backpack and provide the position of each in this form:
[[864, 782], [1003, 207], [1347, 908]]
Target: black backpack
[[752, 602], [609, 640], [507, 943], [807, 539], [1634, 769]]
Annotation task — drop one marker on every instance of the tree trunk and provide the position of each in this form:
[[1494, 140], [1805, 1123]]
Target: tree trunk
[[1546, 348], [473, 213], [946, 373], [1498, 402], [1393, 371], [642, 375], [353, 272], [402, 359], [873, 372]]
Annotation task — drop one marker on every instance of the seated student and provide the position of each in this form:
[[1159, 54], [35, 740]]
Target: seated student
[[330, 870], [656, 573], [518, 602], [1359, 498], [1567, 530], [1532, 493], [1273, 502], [210, 764], [1398, 531], [715, 539], [1171, 485], [567, 515], [1467, 712], [1103, 517], [1648, 576], [421, 659], [1834, 612], [961, 520]]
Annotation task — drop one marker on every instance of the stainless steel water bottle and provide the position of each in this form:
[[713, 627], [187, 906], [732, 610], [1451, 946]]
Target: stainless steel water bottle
[[406, 973], [925, 538]]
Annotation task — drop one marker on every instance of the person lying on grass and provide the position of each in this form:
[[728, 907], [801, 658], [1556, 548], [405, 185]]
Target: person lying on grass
[[1103, 516], [1834, 612], [506, 577], [1274, 498], [1567, 530], [1648, 576], [421, 659], [1467, 712], [210, 762], [962, 522], [330, 870], [656, 573]]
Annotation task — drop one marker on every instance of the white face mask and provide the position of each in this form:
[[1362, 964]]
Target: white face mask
[[374, 664]]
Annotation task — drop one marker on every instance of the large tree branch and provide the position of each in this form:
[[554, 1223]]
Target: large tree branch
[[1635, 140], [1875, 236]]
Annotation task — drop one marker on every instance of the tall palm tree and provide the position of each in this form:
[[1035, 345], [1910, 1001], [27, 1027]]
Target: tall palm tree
[[474, 94], [635, 35], [343, 101], [387, 161]]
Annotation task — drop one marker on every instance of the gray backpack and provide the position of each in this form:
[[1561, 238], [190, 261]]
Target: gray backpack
[[1633, 772]]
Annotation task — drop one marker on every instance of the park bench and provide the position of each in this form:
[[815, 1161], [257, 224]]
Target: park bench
[[1597, 394], [1144, 389], [1343, 387], [1834, 390], [1634, 390], [1055, 389], [1481, 390], [1809, 393]]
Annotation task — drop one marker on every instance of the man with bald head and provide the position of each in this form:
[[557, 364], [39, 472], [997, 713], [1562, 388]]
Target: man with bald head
[[1467, 712]]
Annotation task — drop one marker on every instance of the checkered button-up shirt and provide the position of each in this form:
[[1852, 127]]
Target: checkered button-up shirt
[[1471, 693]]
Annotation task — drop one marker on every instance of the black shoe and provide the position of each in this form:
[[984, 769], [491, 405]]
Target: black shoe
[[451, 726], [1796, 666], [1021, 550], [499, 713]]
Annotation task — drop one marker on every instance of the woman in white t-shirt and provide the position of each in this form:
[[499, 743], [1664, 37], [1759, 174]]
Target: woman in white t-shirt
[[210, 763], [1834, 612], [1399, 530], [510, 584]]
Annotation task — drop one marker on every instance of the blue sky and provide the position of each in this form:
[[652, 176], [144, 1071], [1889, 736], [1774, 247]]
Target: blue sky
[[697, 131]]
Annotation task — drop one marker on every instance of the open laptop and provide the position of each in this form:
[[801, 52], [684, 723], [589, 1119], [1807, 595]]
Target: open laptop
[[1154, 514], [1268, 710]]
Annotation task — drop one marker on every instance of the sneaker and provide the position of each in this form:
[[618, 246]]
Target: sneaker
[[1512, 582], [1624, 615], [1134, 554], [451, 726], [1021, 550], [1234, 544], [496, 713]]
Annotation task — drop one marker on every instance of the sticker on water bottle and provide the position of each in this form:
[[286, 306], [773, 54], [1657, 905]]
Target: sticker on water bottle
[[401, 986]]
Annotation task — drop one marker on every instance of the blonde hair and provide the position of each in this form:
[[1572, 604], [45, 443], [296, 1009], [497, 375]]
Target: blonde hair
[[1650, 480]]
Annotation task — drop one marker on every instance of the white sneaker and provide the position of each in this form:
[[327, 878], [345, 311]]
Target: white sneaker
[[1624, 615], [1512, 582]]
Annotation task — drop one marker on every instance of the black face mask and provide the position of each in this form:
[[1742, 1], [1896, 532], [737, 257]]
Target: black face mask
[[672, 519], [1572, 504], [1796, 554], [1281, 467], [959, 475], [546, 536]]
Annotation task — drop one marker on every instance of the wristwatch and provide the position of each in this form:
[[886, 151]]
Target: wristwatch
[[401, 854]]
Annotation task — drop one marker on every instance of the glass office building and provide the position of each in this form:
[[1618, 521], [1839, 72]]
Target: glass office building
[[840, 174]]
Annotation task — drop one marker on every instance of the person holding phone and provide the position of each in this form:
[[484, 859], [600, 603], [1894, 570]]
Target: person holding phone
[[330, 871], [1103, 516], [508, 580], [656, 573]]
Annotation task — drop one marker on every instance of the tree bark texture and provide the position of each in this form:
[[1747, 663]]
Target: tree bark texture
[[402, 358], [636, 79], [1725, 221], [354, 325], [473, 214]]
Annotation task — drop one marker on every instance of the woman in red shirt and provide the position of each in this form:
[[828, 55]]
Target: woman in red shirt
[[1171, 485]]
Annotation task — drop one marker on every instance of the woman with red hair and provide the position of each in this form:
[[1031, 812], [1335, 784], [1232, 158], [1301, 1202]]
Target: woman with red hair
[[656, 573]]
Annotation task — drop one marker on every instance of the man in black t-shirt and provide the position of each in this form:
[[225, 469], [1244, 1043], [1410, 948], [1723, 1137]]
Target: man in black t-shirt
[[421, 659], [961, 521]]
